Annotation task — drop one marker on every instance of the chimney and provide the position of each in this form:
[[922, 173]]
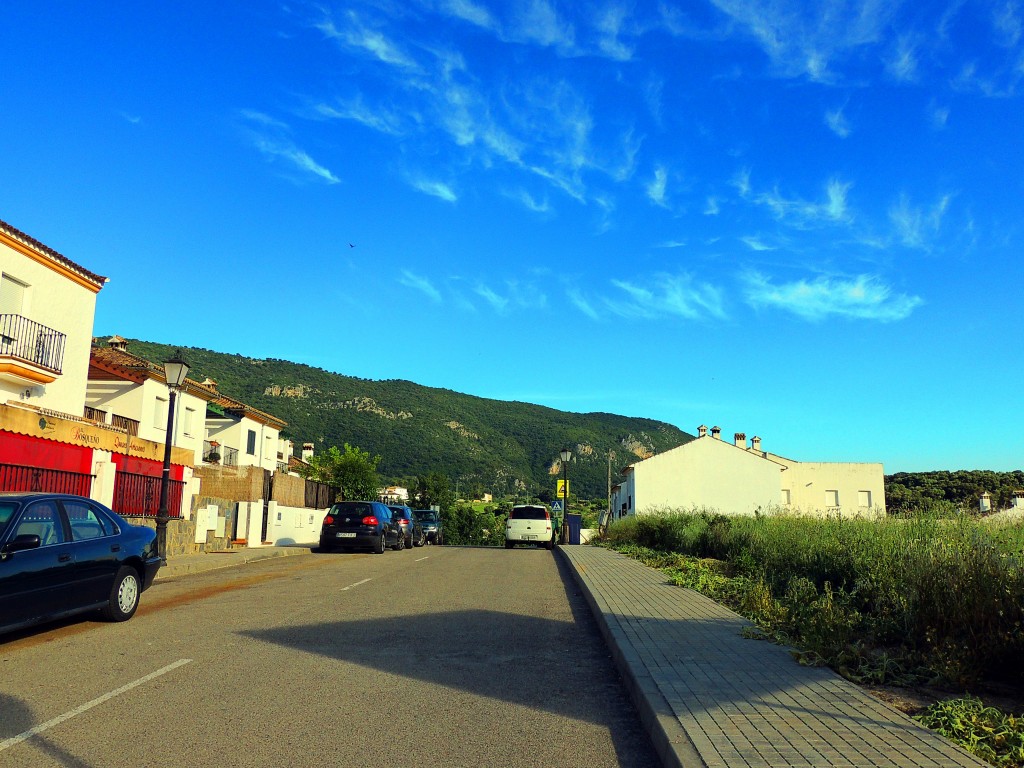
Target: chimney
[[740, 439], [116, 342], [208, 382], [307, 451], [755, 443], [702, 431], [985, 502], [716, 432]]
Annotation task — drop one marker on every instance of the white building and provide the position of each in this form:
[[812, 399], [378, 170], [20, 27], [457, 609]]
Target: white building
[[734, 478]]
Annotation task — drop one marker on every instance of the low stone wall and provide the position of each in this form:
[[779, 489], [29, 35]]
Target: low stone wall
[[213, 534]]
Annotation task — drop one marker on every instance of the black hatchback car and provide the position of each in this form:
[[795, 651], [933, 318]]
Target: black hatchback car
[[360, 525], [61, 555]]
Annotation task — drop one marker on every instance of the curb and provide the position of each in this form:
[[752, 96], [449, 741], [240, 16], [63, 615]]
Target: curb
[[669, 738], [211, 561]]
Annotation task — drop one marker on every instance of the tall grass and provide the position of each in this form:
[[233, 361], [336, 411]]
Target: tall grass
[[930, 599]]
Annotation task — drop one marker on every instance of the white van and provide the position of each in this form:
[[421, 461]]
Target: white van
[[529, 524]]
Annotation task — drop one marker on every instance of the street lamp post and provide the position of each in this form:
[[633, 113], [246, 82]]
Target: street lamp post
[[175, 370], [565, 454]]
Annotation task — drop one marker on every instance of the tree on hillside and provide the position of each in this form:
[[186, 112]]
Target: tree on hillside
[[353, 471], [432, 490]]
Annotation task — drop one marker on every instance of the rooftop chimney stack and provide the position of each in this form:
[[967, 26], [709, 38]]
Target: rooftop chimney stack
[[307, 451], [702, 431], [716, 432], [755, 443], [985, 502], [740, 439], [116, 342]]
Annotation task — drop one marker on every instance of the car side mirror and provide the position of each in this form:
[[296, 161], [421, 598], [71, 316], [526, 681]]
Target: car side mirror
[[22, 542]]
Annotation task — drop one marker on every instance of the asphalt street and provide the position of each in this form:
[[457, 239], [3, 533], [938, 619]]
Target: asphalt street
[[433, 656]]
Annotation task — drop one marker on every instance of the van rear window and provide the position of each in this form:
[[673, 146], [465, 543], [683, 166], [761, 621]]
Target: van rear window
[[528, 513]]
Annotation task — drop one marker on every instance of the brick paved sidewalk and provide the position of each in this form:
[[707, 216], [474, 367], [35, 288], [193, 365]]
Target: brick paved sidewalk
[[710, 697]]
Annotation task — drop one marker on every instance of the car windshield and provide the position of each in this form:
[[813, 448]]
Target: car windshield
[[352, 508], [6, 511], [528, 513], [425, 517]]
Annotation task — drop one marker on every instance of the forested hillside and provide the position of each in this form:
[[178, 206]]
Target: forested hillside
[[483, 445], [946, 491]]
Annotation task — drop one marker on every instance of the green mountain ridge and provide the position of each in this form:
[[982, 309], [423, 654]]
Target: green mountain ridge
[[484, 445]]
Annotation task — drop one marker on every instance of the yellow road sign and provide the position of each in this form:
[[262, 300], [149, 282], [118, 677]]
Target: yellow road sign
[[563, 489]]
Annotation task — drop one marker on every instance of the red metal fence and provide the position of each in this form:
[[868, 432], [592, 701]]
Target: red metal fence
[[14, 477], [139, 495]]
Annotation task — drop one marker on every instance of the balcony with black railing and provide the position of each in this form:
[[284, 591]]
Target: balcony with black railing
[[27, 341], [215, 453]]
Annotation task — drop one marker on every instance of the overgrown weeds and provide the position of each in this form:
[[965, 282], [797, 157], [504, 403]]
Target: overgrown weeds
[[885, 602]]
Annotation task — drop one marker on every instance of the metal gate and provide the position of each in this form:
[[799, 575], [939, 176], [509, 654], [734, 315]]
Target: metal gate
[[268, 492]]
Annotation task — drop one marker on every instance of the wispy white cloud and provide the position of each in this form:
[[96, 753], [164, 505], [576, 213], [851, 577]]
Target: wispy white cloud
[[609, 26], [656, 187], [863, 297], [902, 62], [711, 207], [537, 21], [742, 183], [530, 202], [469, 11], [666, 295], [672, 244], [757, 244], [917, 226], [270, 137], [434, 188], [577, 300], [382, 120], [938, 116], [806, 39], [1006, 19], [133, 119], [412, 280], [498, 303], [803, 213], [837, 122], [356, 35]]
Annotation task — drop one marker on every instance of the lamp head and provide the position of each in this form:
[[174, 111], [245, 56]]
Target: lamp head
[[175, 370], [566, 454]]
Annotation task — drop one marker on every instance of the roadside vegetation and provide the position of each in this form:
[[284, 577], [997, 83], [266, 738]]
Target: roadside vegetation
[[908, 601]]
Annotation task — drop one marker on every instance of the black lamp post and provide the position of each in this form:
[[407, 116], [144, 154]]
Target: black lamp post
[[565, 454], [175, 371]]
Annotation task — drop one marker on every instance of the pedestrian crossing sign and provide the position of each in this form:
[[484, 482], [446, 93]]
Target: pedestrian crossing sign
[[556, 505]]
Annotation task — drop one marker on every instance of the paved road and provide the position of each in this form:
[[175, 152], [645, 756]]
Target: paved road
[[435, 656]]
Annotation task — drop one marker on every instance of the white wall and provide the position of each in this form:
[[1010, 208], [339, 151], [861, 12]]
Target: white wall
[[706, 472], [814, 486], [234, 434], [65, 306], [294, 525]]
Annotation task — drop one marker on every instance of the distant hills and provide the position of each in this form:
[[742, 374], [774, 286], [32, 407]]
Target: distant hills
[[483, 445]]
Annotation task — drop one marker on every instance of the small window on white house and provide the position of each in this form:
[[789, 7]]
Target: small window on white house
[[12, 295], [250, 443], [160, 413], [787, 498], [187, 419], [864, 499], [831, 499]]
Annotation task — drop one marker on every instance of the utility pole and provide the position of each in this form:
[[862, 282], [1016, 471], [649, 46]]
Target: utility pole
[[608, 512]]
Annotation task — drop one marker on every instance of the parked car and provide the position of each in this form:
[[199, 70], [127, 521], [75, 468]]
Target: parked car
[[414, 536], [430, 521], [529, 524], [360, 525], [62, 555]]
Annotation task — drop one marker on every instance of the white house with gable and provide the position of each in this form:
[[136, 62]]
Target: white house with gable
[[736, 478]]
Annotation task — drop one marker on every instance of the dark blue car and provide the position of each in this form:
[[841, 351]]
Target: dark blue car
[[61, 555], [360, 525]]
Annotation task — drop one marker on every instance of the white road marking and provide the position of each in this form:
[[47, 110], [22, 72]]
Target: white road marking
[[422, 559], [346, 589], [86, 707]]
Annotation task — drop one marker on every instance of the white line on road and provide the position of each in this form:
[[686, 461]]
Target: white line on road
[[346, 589], [423, 558], [86, 707]]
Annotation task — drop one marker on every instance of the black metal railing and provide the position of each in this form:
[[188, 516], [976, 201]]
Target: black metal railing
[[14, 477], [219, 454], [123, 422], [32, 342], [139, 495]]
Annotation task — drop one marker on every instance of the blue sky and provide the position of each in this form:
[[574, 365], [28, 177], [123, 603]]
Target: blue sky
[[796, 220]]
